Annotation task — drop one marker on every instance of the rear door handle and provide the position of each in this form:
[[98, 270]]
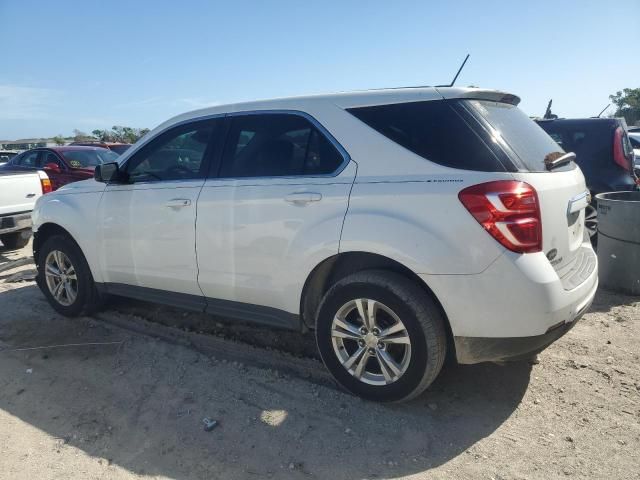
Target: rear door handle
[[301, 198], [178, 203]]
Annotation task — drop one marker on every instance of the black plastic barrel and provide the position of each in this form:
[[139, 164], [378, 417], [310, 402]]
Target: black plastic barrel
[[619, 241]]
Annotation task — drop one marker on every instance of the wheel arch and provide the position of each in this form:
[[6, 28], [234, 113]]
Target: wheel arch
[[336, 267], [45, 231]]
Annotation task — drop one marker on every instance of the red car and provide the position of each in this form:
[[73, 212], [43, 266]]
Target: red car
[[62, 164], [119, 148]]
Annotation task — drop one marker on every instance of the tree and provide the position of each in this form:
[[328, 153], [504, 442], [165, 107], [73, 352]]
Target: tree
[[59, 140], [627, 104], [80, 136]]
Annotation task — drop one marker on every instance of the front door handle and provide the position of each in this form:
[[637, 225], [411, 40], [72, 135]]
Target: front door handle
[[301, 198], [178, 203]]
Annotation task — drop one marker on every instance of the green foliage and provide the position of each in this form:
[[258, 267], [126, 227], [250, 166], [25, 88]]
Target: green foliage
[[59, 140], [120, 134], [627, 104]]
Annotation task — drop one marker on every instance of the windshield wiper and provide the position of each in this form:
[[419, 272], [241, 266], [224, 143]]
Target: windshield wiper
[[556, 159]]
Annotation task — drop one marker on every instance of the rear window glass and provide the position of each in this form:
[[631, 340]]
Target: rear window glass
[[511, 125], [433, 130]]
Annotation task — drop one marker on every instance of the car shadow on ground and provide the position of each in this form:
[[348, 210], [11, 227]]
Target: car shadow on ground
[[139, 405]]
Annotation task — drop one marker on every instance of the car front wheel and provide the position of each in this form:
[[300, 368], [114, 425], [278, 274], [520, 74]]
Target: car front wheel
[[65, 278], [381, 336]]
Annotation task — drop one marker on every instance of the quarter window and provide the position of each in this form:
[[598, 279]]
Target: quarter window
[[178, 154], [276, 145]]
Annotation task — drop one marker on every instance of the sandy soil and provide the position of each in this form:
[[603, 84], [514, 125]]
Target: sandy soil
[[133, 405]]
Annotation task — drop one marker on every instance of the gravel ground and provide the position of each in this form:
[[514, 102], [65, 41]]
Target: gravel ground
[[132, 405]]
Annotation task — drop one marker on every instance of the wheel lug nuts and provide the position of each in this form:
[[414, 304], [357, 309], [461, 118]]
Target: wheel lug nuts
[[372, 351], [376, 332], [361, 343], [363, 330], [380, 345]]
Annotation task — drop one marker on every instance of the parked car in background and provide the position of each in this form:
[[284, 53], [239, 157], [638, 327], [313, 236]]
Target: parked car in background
[[394, 223], [6, 155], [62, 164], [603, 152], [634, 138], [18, 194], [119, 148]]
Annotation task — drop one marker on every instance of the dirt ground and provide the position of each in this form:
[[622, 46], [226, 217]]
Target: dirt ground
[[132, 404]]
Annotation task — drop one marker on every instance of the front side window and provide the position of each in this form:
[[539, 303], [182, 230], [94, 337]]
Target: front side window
[[277, 145], [178, 154], [51, 158]]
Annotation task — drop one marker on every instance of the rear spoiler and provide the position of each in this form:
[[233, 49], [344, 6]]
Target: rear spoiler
[[478, 94]]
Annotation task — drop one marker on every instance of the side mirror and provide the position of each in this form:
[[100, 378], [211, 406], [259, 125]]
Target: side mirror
[[52, 167], [107, 172]]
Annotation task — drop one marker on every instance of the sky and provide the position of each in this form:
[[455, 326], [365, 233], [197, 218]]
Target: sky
[[89, 65]]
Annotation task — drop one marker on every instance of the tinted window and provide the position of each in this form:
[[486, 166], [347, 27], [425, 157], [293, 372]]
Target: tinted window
[[591, 142], [511, 125], [433, 130], [635, 143], [275, 145], [119, 149], [51, 158], [27, 159], [88, 158], [175, 155]]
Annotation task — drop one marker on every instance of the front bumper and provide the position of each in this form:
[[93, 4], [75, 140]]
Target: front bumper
[[15, 223]]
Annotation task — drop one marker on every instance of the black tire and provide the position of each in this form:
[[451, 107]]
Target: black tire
[[15, 240], [88, 298], [420, 315]]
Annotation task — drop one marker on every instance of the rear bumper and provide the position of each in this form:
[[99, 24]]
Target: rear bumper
[[477, 349], [15, 223], [515, 308]]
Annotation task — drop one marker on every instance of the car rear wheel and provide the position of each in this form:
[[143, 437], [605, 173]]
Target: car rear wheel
[[381, 336], [65, 278], [15, 240]]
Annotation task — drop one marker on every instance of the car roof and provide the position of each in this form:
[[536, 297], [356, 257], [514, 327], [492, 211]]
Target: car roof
[[355, 99], [579, 121], [71, 148]]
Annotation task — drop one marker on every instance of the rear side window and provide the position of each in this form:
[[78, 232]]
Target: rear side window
[[277, 145], [511, 126], [434, 130]]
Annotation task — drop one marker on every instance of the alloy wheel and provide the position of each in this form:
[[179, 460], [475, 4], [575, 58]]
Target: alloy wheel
[[61, 278], [371, 342]]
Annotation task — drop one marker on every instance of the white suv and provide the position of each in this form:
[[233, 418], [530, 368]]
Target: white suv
[[398, 224]]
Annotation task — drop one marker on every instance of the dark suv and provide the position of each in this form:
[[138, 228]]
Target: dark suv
[[603, 152]]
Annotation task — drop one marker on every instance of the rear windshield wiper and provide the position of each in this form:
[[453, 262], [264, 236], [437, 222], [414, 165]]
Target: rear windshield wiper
[[557, 159]]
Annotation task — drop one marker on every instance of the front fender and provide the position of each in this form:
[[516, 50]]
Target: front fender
[[77, 215]]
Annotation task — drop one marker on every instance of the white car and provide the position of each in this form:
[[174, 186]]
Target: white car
[[397, 224]]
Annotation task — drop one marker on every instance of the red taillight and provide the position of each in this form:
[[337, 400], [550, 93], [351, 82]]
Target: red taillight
[[509, 211], [45, 182], [618, 150]]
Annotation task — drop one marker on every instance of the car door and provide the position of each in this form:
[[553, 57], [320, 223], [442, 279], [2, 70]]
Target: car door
[[147, 223], [274, 211]]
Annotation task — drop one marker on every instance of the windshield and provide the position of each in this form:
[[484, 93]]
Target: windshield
[[89, 158], [530, 143]]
